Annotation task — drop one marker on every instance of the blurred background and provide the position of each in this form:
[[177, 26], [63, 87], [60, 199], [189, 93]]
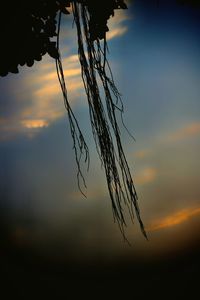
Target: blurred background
[[55, 241]]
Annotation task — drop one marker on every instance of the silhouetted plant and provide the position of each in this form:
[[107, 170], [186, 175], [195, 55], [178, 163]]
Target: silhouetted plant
[[32, 26]]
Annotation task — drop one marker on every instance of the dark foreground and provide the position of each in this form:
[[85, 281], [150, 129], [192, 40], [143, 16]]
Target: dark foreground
[[27, 276]]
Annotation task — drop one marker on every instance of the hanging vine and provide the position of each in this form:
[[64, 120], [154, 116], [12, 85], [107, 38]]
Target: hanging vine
[[106, 132]]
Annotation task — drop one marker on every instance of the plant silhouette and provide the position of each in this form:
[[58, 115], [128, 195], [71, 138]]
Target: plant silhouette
[[27, 32]]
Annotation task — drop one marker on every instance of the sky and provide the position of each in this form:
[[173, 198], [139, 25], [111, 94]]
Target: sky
[[154, 52]]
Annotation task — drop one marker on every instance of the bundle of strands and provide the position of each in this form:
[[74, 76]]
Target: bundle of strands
[[97, 76]]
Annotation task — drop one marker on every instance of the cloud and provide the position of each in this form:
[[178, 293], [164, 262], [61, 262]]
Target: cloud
[[47, 85], [73, 58], [40, 101], [174, 219], [10, 128], [116, 32], [142, 154], [188, 131], [145, 176], [51, 89], [34, 123], [115, 24]]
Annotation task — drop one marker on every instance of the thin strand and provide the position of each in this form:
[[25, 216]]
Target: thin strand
[[79, 145]]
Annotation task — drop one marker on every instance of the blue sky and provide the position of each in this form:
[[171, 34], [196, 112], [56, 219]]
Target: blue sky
[[155, 58]]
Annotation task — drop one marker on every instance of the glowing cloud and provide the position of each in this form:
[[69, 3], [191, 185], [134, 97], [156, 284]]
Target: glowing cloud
[[116, 32], [44, 104], [47, 90], [147, 175], [191, 130], [174, 219], [31, 124], [116, 27]]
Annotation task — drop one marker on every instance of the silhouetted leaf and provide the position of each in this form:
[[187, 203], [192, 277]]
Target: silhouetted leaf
[[122, 5], [52, 50], [30, 63]]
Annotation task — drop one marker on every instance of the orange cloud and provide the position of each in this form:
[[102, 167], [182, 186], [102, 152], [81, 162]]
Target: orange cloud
[[30, 124], [147, 175], [73, 58], [188, 131], [47, 90], [48, 85], [46, 106], [174, 219], [52, 76], [46, 103]]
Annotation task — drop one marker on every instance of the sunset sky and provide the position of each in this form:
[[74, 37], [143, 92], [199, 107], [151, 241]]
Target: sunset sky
[[155, 58]]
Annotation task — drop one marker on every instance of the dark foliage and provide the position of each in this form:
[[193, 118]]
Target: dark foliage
[[27, 28], [26, 31]]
